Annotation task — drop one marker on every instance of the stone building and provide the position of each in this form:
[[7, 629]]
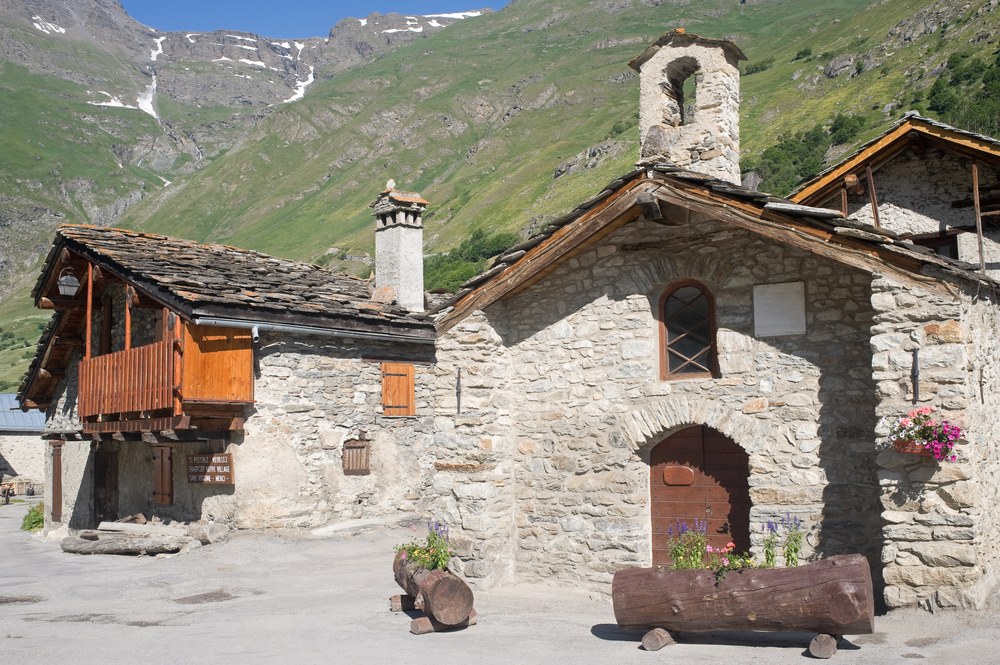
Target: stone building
[[675, 348], [21, 453]]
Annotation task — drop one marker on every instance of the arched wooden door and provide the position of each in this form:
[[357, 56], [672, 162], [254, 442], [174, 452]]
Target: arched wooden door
[[699, 474]]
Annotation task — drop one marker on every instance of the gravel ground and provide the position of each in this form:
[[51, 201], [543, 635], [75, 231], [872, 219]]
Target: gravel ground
[[323, 598]]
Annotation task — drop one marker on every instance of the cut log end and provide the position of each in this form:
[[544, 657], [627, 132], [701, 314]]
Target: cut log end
[[656, 639], [401, 603], [449, 601], [823, 646], [424, 625]]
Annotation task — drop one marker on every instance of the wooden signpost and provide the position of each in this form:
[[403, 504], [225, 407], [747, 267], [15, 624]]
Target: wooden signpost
[[214, 469]]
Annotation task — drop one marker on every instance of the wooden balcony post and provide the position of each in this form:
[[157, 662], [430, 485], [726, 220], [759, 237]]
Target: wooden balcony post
[[128, 317], [90, 309]]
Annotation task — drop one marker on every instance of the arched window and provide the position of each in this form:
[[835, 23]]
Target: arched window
[[687, 332]]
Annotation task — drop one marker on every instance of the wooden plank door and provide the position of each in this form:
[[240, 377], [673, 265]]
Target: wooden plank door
[[698, 475], [105, 486]]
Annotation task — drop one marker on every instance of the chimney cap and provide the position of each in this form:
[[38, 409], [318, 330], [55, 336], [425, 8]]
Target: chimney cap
[[680, 37]]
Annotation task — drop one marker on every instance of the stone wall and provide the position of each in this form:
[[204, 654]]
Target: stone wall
[[22, 456], [940, 533], [77, 489], [590, 404], [981, 319]]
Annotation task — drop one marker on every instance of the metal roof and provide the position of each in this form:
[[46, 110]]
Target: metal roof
[[12, 419]]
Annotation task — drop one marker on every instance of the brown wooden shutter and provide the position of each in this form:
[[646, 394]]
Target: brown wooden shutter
[[163, 475], [357, 458], [397, 389]]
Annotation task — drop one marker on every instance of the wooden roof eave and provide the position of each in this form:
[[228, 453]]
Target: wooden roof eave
[[571, 239], [622, 207], [888, 146]]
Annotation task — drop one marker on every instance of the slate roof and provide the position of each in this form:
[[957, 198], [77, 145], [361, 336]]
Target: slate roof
[[12, 419], [200, 280], [680, 37], [769, 209]]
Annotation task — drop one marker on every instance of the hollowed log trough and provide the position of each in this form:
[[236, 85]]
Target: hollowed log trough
[[832, 597], [443, 597]]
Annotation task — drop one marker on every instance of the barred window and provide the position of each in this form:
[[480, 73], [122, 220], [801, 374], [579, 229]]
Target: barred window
[[357, 458], [687, 332]]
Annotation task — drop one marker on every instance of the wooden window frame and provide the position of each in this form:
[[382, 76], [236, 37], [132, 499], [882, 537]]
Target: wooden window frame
[[163, 495], [713, 352], [398, 390]]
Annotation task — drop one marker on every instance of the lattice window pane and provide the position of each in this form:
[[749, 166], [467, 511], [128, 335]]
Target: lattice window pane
[[687, 318]]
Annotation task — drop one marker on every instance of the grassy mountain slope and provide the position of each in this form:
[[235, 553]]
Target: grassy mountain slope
[[479, 116], [482, 116]]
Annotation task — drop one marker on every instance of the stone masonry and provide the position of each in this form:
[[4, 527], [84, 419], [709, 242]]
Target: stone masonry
[[940, 537], [580, 365], [701, 134]]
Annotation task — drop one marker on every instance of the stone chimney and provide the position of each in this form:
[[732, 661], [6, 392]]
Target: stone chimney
[[399, 247], [701, 134]]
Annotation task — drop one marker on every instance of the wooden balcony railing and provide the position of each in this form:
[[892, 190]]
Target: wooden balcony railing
[[139, 379]]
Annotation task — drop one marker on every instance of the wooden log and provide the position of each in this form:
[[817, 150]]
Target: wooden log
[[832, 596], [656, 639], [439, 593], [125, 544], [823, 646], [426, 624], [401, 602]]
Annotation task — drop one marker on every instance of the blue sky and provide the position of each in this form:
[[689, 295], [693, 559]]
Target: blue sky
[[280, 18]]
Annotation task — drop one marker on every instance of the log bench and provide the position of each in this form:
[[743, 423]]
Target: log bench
[[832, 597]]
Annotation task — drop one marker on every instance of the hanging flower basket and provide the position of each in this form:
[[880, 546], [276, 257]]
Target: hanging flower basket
[[919, 433], [910, 448]]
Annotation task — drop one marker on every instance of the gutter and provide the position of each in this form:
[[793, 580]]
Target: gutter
[[257, 326]]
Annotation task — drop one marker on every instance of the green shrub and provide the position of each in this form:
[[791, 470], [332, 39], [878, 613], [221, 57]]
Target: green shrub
[[758, 66], [448, 271], [804, 54], [35, 519]]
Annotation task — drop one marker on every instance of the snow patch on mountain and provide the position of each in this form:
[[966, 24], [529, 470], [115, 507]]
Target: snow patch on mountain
[[113, 101], [300, 86], [158, 51], [457, 15], [47, 27], [145, 100]]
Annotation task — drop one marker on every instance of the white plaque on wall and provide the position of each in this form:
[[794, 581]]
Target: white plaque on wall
[[779, 309]]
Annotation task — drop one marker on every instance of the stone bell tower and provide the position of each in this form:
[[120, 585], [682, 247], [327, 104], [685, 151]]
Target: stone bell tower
[[399, 245], [702, 134]]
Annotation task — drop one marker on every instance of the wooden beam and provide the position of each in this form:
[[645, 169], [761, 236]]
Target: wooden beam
[[852, 183], [61, 303], [979, 216], [872, 196]]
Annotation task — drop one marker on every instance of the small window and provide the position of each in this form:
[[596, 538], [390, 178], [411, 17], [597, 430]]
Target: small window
[[357, 458], [397, 390], [945, 245], [163, 476], [688, 332]]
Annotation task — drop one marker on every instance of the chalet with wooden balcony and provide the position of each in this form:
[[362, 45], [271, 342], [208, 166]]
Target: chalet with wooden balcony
[[158, 351], [159, 331]]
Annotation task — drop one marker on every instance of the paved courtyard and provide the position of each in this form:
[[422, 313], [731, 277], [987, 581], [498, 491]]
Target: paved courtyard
[[307, 598]]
